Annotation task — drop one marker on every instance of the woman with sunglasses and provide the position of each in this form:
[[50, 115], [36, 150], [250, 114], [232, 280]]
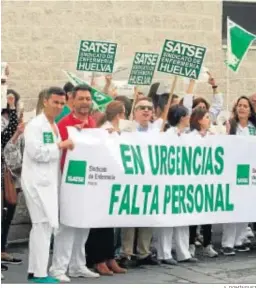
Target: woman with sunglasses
[[178, 121], [243, 123]]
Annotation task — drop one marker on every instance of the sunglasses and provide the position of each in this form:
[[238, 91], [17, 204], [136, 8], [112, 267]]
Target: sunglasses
[[150, 108]]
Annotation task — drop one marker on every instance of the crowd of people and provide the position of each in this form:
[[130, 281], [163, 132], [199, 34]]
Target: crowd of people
[[32, 160]]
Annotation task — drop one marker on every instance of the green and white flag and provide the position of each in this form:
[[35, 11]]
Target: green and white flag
[[239, 41], [100, 100]]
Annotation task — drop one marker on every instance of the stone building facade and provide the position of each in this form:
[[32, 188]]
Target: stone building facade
[[40, 38]]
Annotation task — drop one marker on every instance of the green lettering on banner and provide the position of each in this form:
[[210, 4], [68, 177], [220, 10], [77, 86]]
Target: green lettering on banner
[[146, 190], [167, 197], [209, 163], [190, 57], [155, 204], [229, 206], [190, 204], [154, 165], [175, 199], [114, 199], [126, 159], [125, 202], [96, 56], [197, 152], [143, 68], [219, 202], [163, 157], [219, 154], [199, 196], [171, 162], [134, 158], [209, 192], [135, 210]]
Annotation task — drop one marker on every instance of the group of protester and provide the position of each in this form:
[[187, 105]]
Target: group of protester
[[33, 157]]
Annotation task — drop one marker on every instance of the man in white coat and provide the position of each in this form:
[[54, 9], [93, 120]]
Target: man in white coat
[[40, 181]]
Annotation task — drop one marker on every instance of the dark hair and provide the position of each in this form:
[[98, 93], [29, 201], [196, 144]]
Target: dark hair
[[54, 90], [81, 87], [127, 104], [175, 114], [16, 97], [162, 99], [143, 99], [235, 120], [199, 100], [196, 116], [68, 87], [112, 110]]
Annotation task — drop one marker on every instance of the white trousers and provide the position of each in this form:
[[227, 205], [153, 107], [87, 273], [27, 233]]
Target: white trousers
[[69, 250], [39, 246], [163, 243], [233, 234]]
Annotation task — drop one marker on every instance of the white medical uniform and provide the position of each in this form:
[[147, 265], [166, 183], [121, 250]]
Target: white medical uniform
[[40, 180], [234, 233], [164, 235]]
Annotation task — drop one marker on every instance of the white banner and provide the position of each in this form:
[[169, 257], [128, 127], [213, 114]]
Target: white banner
[[154, 179]]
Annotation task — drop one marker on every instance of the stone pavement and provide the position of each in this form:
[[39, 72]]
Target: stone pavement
[[239, 269]]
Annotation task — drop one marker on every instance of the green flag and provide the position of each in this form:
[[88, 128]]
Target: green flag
[[100, 100], [239, 41]]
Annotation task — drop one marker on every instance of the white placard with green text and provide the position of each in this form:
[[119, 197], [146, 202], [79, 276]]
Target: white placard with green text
[[152, 180], [181, 59], [96, 56]]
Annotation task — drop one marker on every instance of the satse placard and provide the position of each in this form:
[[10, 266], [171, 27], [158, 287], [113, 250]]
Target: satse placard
[[143, 68], [96, 56], [181, 59]]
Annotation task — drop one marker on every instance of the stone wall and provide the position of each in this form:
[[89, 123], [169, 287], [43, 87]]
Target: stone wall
[[40, 38]]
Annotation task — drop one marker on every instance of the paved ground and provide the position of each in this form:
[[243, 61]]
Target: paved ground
[[234, 269]]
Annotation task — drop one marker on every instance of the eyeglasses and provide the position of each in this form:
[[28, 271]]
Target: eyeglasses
[[150, 108]]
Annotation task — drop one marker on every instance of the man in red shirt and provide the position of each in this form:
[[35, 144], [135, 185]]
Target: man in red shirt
[[69, 242], [80, 117]]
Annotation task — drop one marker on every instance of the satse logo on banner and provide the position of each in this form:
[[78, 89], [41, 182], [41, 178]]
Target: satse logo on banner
[[76, 172], [243, 175]]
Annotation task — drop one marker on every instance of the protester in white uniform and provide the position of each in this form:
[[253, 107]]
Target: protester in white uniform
[[178, 120], [199, 125], [243, 124], [142, 114], [40, 180]]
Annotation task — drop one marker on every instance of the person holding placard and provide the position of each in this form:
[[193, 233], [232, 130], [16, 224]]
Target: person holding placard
[[69, 242], [41, 156], [100, 248], [243, 124], [178, 121], [217, 104], [143, 111], [199, 125]]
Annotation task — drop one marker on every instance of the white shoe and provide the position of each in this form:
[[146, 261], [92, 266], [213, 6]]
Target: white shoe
[[192, 250], [63, 278], [85, 273], [2, 276], [249, 232], [210, 252]]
